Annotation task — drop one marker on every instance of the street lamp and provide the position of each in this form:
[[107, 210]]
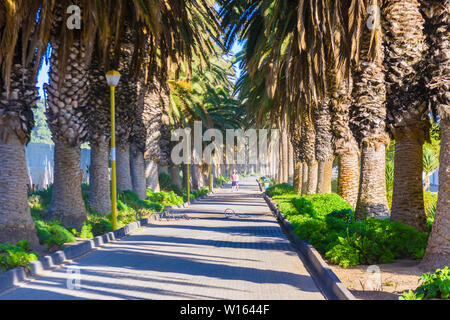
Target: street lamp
[[112, 78]]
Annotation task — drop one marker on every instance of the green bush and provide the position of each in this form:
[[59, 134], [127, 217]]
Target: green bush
[[13, 256], [101, 224], [432, 285], [328, 223], [169, 198], [220, 180], [280, 189], [164, 181], [53, 233], [346, 215], [320, 205], [177, 189], [86, 231]]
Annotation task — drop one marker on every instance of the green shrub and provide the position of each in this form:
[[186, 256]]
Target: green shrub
[[53, 233], [280, 189], [377, 241], [432, 285], [328, 223], [346, 215], [101, 224], [177, 189], [169, 198], [86, 231], [164, 181], [13, 256], [320, 205]]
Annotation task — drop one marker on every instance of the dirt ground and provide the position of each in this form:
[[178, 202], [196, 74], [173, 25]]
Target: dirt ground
[[380, 282]]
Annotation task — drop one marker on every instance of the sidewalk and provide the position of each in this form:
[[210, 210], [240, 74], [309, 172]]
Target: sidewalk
[[209, 256]]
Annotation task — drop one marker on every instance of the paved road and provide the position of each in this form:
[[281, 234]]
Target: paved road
[[210, 256]]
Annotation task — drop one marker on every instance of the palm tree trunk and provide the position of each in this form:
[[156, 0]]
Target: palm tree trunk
[[368, 119], [372, 200], [285, 155], [437, 254], [67, 203], [123, 166], [15, 219], [436, 15], [16, 123], [407, 199], [151, 175], [137, 168], [291, 162], [175, 174], [195, 174], [305, 177], [312, 178], [99, 187], [325, 170], [163, 169], [328, 176], [407, 107], [298, 177], [348, 177], [186, 182]]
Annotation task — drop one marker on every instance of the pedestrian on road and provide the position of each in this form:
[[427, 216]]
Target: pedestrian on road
[[235, 181]]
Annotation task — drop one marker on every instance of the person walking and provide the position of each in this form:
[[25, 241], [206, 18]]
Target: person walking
[[235, 181]]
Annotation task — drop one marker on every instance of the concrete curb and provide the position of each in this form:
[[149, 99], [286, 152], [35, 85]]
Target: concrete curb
[[329, 283], [16, 276]]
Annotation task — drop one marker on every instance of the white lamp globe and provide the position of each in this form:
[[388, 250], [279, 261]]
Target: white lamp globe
[[113, 78]]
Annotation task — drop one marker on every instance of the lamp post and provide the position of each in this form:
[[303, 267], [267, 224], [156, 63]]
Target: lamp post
[[188, 184], [112, 78]]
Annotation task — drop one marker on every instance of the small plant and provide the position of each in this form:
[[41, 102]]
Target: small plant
[[13, 256], [432, 285], [53, 233]]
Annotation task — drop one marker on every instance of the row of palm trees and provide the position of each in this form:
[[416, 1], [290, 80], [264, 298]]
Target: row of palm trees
[[341, 78], [148, 42]]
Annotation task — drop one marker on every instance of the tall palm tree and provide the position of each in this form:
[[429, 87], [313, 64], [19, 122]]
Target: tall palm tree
[[98, 118], [368, 117], [437, 22], [68, 89], [67, 96], [407, 107], [347, 150], [308, 147], [324, 147], [19, 63]]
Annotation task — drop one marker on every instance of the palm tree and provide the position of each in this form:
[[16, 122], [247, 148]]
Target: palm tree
[[308, 146], [407, 107], [436, 14], [67, 95], [347, 150], [98, 118], [324, 147], [368, 116], [68, 89], [18, 95]]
